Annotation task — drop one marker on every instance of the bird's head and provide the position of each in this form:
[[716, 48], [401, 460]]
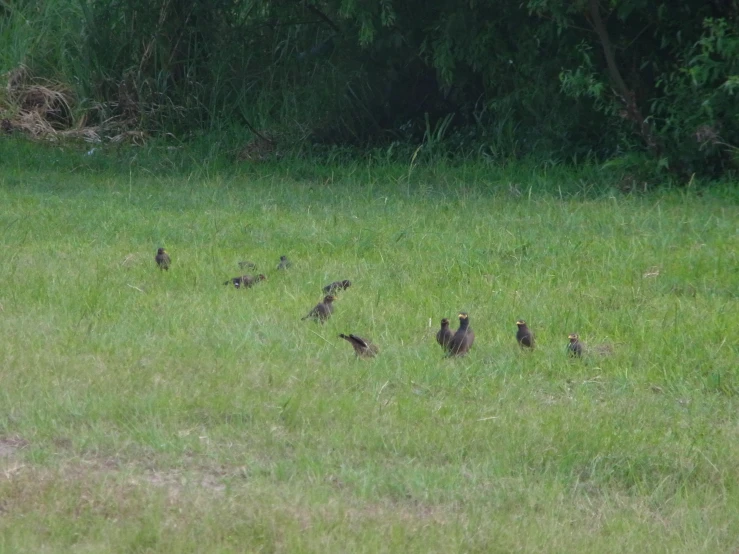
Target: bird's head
[[521, 323], [283, 258], [346, 283], [445, 322], [161, 251], [463, 317], [574, 337], [261, 277], [329, 298]]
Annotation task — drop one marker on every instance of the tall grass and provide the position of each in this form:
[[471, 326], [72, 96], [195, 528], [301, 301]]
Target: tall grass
[[181, 68], [162, 411]]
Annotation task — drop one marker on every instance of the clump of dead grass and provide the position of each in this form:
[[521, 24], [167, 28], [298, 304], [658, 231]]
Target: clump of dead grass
[[48, 110]]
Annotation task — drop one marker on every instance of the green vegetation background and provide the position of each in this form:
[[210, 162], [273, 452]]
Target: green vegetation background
[[649, 85]]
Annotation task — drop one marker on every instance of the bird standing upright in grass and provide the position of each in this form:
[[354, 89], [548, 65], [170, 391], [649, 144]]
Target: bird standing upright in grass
[[444, 335], [323, 310], [362, 347], [284, 263], [162, 259], [524, 336], [337, 286], [245, 281], [574, 348], [462, 340]]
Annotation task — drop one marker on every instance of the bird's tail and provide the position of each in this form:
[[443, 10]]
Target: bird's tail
[[354, 339]]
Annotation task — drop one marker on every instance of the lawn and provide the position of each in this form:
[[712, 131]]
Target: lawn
[[152, 411]]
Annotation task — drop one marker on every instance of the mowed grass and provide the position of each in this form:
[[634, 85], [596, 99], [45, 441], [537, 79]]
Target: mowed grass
[[149, 411]]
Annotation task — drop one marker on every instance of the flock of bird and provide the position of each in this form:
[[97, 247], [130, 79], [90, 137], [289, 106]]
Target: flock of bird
[[454, 343]]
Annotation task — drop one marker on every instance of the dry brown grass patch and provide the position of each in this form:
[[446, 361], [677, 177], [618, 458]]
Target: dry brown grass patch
[[45, 110], [10, 445]]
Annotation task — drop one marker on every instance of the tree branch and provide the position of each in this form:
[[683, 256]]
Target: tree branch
[[632, 111], [323, 17], [605, 40]]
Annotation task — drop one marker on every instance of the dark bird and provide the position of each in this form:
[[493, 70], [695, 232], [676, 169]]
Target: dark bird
[[463, 338], [444, 335], [247, 265], [524, 336], [337, 286], [362, 347], [162, 259], [574, 349], [323, 310], [284, 263], [245, 281]]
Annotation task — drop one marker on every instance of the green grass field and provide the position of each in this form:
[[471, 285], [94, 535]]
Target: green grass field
[[149, 411]]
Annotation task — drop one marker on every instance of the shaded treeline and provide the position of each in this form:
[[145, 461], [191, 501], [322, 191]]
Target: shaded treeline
[[651, 81]]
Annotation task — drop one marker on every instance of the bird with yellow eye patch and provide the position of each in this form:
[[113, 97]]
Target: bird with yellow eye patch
[[524, 336], [574, 347], [464, 336]]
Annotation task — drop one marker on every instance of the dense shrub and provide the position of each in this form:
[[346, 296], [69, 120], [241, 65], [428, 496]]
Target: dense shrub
[[559, 79]]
